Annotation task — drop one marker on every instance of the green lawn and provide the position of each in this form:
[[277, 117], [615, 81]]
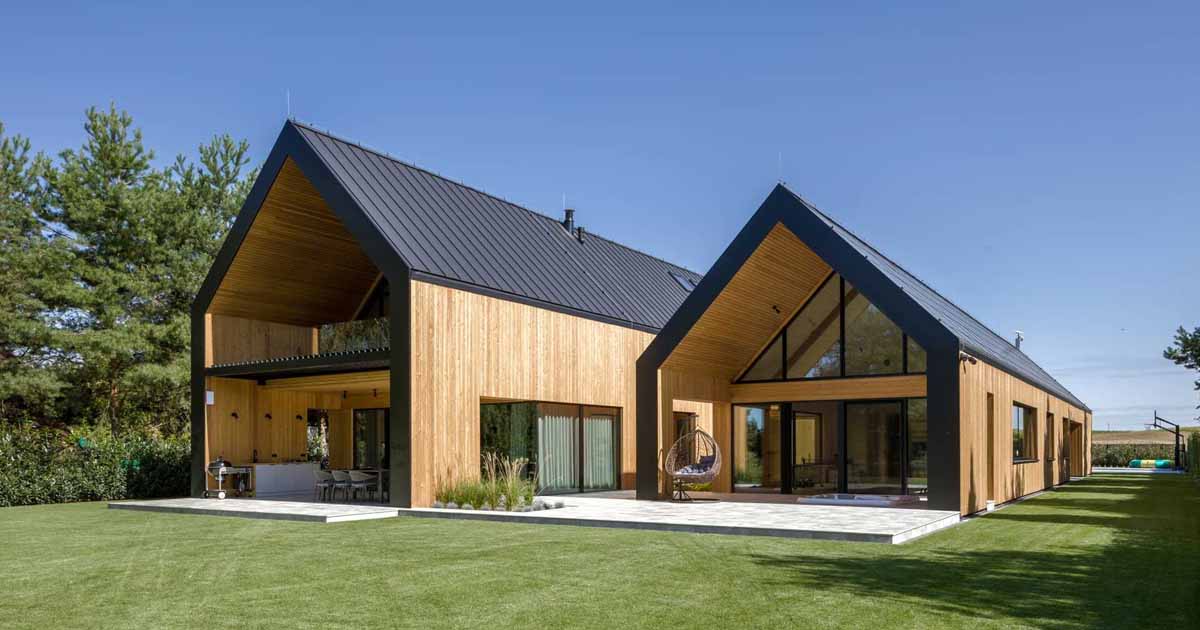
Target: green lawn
[[1112, 551]]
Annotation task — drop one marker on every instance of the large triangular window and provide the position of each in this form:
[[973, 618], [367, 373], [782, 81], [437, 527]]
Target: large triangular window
[[838, 332]]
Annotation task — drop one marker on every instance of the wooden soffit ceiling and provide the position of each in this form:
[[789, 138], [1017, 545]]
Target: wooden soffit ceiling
[[773, 283], [297, 264]]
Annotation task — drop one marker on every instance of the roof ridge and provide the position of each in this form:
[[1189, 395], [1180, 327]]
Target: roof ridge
[[541, 215], [914, 276]]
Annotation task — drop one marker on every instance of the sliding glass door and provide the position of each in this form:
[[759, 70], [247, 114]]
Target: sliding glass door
[[570, 448], [874, 453]]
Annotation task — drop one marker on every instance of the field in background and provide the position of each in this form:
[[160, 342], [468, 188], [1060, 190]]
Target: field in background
[[1152, 436]]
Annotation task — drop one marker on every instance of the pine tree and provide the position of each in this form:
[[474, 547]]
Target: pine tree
[[29, 384], [139, 241]]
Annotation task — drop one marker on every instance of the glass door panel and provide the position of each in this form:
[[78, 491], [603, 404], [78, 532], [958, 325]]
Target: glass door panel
[[917, 480], [599, 449], [874, 459], [558, 448], [758, 448], [814, 465]]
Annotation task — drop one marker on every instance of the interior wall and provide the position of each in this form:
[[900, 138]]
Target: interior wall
[[1008, 479], [466, 346], [282, 437]]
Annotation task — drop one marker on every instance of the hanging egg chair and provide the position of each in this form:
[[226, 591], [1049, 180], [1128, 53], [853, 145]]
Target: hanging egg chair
[[694, 459]]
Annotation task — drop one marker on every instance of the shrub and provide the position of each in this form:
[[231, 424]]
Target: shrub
[[501, 477], [47, 465], [1121, 454]]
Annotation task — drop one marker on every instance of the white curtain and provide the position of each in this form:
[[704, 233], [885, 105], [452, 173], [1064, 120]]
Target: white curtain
[[558, 453], [599, 465]]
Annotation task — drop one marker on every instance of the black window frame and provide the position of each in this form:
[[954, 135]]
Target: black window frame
[[786, 418], [1029, 428], [618, 448], [783, 347], [1048, 447]]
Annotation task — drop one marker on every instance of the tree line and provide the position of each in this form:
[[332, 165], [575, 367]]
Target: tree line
[[102, 250]]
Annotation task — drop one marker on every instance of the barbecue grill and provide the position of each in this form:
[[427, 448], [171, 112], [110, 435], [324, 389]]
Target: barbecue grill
[[219, 469]]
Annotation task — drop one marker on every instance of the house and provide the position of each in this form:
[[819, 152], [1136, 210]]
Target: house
[[374, 315], [830, 366]]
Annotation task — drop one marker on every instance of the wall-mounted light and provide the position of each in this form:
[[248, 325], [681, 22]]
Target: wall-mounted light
[[374, 393], [267, 416], [775, 308], [300, 417], [234, 415]]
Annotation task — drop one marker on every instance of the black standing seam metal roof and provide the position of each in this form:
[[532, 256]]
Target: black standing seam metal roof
[[975, 337], [449, 230]]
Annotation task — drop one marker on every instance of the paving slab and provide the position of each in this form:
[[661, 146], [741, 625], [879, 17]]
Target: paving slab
[[819, 522], [261, 508]]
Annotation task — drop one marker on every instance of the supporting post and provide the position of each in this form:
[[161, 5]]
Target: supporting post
[[199, 435], [400, 415], [942, 386], [647, 429]]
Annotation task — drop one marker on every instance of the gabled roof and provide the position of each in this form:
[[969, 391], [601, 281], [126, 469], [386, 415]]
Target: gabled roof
[[922, 312], [448, 232], [975, 337]]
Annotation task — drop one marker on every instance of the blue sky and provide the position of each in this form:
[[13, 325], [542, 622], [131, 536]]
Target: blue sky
[[1036, 162]]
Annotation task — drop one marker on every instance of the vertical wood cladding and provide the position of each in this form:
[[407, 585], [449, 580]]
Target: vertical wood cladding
[[1011, 480], [467, 347]]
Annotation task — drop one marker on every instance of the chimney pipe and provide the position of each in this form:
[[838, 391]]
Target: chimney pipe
[[1020, 338], [579, 233], [569, 219]]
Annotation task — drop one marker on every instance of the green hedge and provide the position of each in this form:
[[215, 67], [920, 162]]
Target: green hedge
[[44, 465], [1120, 454]]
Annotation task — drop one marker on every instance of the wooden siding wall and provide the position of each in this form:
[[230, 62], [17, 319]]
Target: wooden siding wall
[[906, 386], [236, 339], [467, 346], [1011, 480]]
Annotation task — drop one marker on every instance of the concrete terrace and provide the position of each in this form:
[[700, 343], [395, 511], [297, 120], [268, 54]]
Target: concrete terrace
[[789, 520], [263, 509]]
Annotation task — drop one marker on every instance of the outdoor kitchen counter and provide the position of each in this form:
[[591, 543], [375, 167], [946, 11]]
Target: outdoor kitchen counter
[[281, 479]]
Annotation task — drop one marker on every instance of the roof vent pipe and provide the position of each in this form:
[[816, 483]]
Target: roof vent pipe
[[579, 233], [1020, 338], [569, 219]]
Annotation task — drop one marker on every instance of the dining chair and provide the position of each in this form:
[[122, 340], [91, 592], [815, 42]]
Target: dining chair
[[367, 482], [322, 484], [341, 481]]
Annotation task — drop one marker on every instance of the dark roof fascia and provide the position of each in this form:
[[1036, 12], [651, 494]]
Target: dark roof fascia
[[520, 299], [883, 293], [291, 144], [306, 366], [966, 344], [784, 207], [712, 283]]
